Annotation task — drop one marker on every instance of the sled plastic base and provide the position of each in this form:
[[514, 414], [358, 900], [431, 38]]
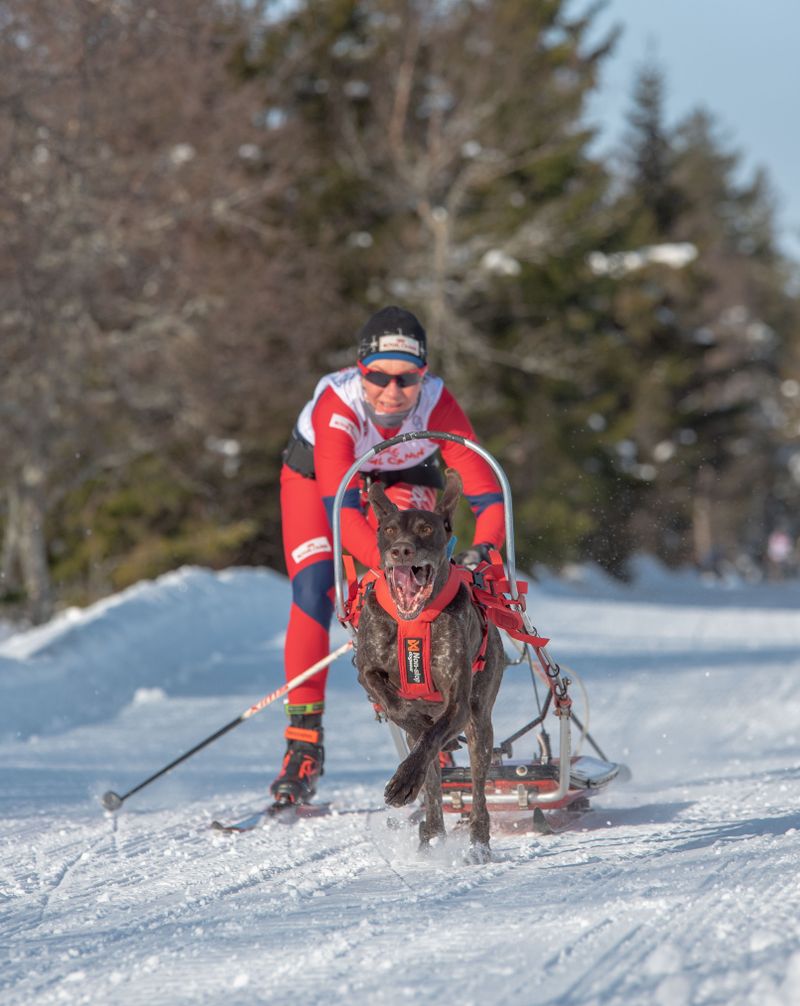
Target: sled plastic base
[[520, 785]]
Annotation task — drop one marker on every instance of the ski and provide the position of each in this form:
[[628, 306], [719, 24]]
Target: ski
[[283, 813]]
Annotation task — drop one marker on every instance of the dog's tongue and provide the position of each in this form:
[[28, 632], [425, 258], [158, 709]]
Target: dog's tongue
[[409, 589], [405, 587]]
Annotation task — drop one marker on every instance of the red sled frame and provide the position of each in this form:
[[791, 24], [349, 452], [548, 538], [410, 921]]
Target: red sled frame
[[512, 785]]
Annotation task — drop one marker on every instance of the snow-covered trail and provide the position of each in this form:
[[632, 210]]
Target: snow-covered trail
[[681, 887]]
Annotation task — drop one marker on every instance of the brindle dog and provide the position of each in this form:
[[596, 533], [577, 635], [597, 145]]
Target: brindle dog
[[413, 548]]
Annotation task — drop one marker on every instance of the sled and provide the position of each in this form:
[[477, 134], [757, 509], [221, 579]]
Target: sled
[[548, 781], [516, 785]]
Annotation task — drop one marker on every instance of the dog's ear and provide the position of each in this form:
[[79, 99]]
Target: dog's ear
[[380, 502], [452, 494]]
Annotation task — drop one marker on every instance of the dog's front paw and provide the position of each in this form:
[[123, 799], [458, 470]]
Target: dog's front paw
[[477, 854], [404, 786]]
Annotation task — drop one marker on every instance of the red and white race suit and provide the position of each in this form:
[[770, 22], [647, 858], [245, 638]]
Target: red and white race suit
[[338, 426]]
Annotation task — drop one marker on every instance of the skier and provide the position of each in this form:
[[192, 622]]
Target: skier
[[388, 392]]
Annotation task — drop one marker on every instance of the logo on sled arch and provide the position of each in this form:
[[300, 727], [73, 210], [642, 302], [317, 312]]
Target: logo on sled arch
[[415, 674]]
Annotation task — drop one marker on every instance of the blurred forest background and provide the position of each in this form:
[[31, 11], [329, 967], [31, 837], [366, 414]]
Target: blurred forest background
[[202, 200]]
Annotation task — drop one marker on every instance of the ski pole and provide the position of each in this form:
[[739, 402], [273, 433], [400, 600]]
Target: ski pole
[[113, 801]]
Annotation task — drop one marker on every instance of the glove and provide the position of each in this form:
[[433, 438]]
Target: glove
[[472, 557]]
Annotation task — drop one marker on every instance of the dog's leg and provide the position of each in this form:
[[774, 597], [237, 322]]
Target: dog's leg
[[480, 738], [451, 670], [407, 715], [375, 683], [405, 784], [432, 826]]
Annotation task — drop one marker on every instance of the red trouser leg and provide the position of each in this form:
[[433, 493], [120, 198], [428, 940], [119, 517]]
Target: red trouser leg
[[308, 553]]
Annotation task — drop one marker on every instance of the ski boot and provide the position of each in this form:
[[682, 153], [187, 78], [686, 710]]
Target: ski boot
[[296, 782]]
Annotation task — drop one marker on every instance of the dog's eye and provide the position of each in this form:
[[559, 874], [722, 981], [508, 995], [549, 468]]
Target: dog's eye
[[390, 531], [424, 530]]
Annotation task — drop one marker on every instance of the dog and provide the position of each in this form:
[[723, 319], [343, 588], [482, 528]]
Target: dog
[[413, 546]]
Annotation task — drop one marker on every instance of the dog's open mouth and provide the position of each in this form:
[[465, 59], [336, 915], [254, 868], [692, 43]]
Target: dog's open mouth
[[410, 587]]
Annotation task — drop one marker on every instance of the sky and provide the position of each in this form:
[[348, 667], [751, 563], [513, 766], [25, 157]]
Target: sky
[[736, 58]]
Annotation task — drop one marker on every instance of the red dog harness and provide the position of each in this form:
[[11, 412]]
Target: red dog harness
[[488, 589], [414, 637]]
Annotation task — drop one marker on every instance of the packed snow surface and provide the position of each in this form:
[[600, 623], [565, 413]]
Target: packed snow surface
[[680, 887]]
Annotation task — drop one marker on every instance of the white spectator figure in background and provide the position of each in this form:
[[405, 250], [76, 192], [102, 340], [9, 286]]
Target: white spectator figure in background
[[779, 553]]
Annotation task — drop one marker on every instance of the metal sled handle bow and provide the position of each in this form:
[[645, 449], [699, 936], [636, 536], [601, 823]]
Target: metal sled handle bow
[[402, 438]]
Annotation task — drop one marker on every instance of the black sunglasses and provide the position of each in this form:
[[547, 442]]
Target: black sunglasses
[[404, 380]]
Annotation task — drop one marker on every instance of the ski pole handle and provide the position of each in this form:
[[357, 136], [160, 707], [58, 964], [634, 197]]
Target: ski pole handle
[[113, 801]]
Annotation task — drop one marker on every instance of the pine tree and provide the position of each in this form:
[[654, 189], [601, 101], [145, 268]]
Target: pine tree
[[651, 155], [707, 332], [452, 175]]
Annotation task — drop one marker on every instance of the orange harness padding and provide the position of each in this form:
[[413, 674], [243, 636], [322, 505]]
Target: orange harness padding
[[488, 587]]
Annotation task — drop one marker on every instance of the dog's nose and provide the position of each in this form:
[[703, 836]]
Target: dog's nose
[[402, 551]]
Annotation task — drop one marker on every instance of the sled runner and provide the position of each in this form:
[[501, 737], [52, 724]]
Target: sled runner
[[546, 781]]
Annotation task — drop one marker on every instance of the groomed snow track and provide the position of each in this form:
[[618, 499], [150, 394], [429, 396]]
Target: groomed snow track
[[681, 887]]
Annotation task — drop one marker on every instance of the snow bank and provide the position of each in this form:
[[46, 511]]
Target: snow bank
[[178, 633], [650, 580], [198, 632]]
